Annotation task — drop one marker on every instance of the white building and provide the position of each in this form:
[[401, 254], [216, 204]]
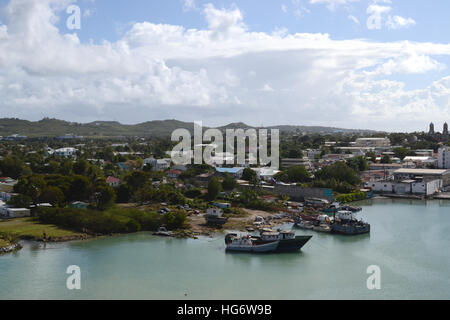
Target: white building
[[66, 152], [15, 212], [158, 164], [373, 142], [444, 158], [407, 187]]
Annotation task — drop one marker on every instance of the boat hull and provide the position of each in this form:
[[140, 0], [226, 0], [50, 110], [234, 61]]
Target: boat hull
[[291, 245], [350, 229], [256, 248]]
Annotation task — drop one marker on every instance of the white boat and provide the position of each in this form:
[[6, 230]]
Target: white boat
[[246, 244]]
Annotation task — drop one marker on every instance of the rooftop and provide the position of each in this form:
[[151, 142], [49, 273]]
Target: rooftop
[[423, 171]]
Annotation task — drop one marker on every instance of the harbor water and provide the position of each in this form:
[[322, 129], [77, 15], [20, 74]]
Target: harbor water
[[409, 242]]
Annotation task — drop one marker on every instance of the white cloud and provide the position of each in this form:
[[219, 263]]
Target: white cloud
[[224, 23], [189, 5], [332, 4], [397, 22], [225, 73]]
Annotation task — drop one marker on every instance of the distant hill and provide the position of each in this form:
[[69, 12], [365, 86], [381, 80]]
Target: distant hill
[[54, 127]]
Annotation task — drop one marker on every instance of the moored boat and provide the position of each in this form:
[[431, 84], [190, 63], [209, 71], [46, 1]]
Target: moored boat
[[346, 223], [322, 228], [249, 244], [288, 241]]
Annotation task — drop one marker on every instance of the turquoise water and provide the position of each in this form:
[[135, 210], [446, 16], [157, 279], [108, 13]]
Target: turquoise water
[[410, 242]]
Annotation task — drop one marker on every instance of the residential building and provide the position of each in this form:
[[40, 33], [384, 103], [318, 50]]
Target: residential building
[[373, 142], [173, 173], [66, 152], [158, 164], [266, 174], [292, 162], [113, 182], [444, 158], [423, 175], [15, 212]]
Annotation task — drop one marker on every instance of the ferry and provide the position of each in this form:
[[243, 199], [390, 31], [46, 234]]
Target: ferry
[[249, 244]]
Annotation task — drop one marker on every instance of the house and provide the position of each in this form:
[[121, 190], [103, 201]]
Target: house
[[7, 196], [113, 182], [66, 152], [15, 212], [204, 178], [173, 174], [266, 174], [158, 164]]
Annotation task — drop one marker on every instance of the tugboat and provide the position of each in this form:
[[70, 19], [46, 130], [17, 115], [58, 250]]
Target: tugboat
[[289, 242], [249, 244], [346, 223]]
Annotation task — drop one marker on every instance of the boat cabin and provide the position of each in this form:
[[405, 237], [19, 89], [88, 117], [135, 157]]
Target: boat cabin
[[345, 215], [277, 236]]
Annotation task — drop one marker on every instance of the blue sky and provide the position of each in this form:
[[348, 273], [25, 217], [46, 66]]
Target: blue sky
[[378, 64], [108, 17]]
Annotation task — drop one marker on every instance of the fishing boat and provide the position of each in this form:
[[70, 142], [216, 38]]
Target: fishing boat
[[288, 241], [346, 223], [249, 244]]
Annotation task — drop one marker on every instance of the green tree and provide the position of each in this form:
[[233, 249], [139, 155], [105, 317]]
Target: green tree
[[386, 159], [371, 156], [81, 167], [20, 201], [229, 183], [52, 195], [214, 188], [13, 167], [105, 197], [401, 152], [249, 174]]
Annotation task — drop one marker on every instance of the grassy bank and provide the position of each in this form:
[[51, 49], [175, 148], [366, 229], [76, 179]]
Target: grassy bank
[[112, 221], [29, 228], [4, 243]]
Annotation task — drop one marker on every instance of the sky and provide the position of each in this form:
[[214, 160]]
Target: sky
[[361, 64]]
